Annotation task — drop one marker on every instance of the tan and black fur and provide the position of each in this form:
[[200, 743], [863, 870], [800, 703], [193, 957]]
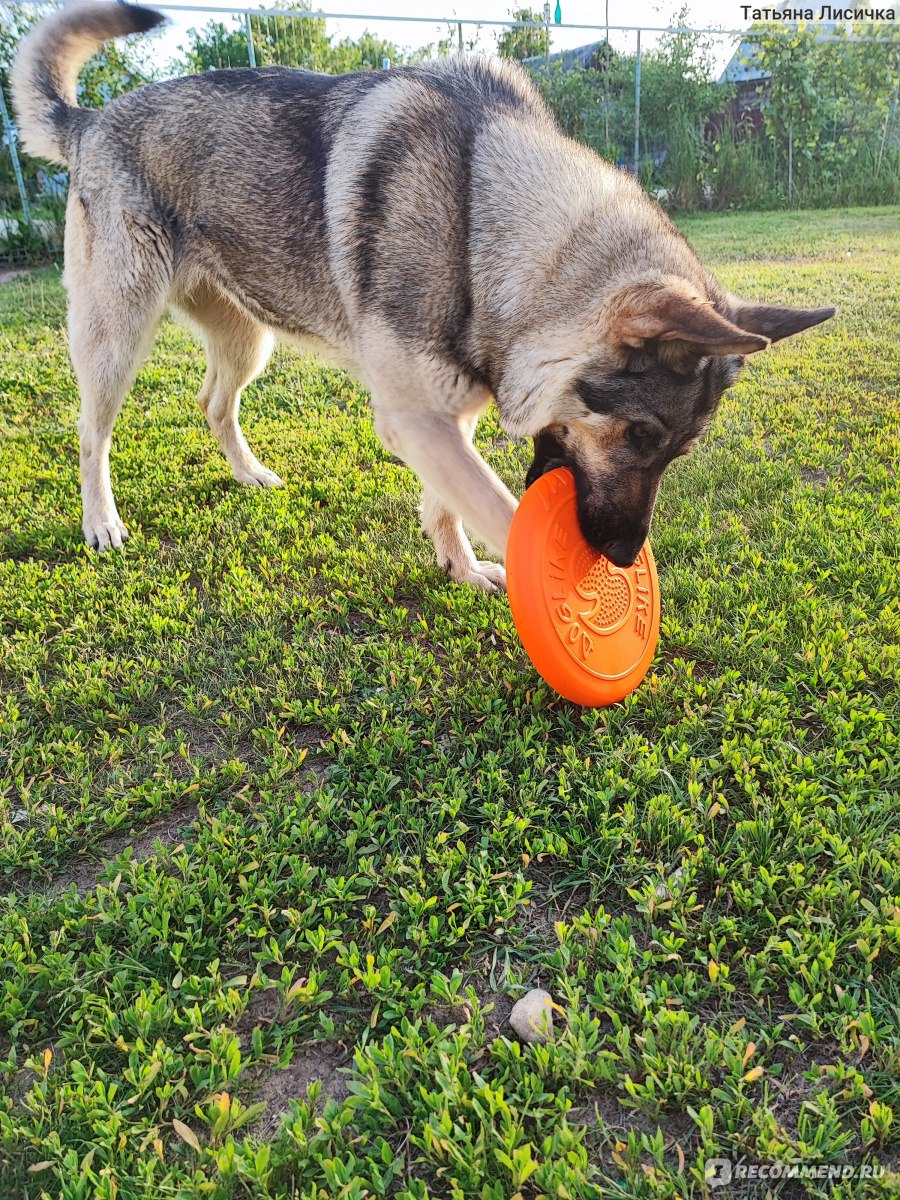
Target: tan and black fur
[[428, 228]]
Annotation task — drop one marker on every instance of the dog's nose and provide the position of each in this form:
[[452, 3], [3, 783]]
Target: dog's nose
[[622, 552], [611, 532]]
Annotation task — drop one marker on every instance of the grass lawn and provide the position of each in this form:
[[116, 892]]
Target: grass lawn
[[288, 821]]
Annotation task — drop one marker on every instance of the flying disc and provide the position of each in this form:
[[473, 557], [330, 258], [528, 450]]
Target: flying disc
[[589, 627]]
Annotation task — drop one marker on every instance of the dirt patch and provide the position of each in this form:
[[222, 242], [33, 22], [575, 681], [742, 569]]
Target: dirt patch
[[22, 1081], [414, 609], [86, 871], [497, 1020], [550, 903], [318, 1061], [309, 736], [202, 742], [703, 669], [357, 621], [539, 918], [814, 476], [792, 1087], [813, 725], [602, 1111], [7, 276], [262, 1009]]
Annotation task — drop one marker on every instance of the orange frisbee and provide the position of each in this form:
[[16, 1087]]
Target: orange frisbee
[[589, 627]]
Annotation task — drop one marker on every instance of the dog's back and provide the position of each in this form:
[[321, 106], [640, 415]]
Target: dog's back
[[301, 195], [431, 228]]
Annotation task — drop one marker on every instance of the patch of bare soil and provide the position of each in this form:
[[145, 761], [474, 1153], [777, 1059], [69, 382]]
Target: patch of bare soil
[[318, 1061], [87, 869], [814, 476], [792, 1087], [497, 1020]]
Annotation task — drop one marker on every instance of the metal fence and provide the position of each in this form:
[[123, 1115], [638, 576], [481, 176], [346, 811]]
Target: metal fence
[[251, 37]]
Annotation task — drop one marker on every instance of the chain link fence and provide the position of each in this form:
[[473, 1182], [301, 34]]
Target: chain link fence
[[709, 119]]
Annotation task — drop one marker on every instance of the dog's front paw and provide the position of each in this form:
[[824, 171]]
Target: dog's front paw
[[486, 576], [104, 534], [254, 474]]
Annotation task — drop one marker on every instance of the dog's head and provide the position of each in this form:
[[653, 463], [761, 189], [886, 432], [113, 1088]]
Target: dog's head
[[620, 401]]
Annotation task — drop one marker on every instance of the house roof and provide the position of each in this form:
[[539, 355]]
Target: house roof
[[582, 57], [743, 66]]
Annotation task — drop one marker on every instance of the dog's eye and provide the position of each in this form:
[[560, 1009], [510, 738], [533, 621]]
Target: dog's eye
[[639, 435]]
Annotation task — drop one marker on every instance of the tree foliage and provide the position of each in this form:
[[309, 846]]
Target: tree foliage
[[678, 81], [288, 42], [524, 41], [592, 104], [837, 99], [833, 100], [678, 93]]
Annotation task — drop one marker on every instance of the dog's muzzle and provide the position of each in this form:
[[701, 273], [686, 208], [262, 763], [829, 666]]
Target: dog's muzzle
[[621, 552]]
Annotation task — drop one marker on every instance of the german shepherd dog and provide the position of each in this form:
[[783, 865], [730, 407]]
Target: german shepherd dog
[[428, 228]]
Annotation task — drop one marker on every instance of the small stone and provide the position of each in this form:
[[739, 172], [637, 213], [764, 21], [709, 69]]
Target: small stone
[[532, 1016], [663, 890]]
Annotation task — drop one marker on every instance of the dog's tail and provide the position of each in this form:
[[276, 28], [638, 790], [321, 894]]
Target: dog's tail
[[45, 72]]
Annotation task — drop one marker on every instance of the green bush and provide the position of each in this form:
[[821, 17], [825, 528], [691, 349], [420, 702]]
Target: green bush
[[833, 102], [36, 241]]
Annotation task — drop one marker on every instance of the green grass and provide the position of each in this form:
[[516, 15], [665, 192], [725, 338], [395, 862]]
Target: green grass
[[281, 804]]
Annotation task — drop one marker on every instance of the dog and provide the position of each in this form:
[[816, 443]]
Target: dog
[[428, 228]]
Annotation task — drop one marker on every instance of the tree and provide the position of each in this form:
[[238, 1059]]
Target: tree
[[523, 41], [367, 54], [277, 41], [795, 106], [287, 42], [678, 94], [829, 102], [594, 104], [119, 67], [213, 47]]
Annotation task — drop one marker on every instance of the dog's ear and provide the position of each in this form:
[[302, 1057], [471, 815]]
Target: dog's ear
[[774, 322], [667, 311]]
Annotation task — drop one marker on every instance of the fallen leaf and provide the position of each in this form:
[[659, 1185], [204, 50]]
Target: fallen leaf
[[186, 1134]]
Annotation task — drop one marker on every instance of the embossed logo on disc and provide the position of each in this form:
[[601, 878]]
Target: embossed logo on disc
[[604, 600]]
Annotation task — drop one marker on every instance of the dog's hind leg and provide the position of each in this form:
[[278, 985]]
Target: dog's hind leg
[[117, 294], [237, 349]]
